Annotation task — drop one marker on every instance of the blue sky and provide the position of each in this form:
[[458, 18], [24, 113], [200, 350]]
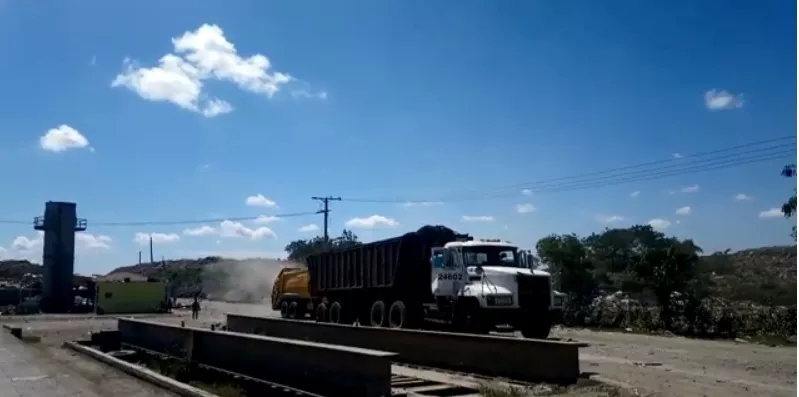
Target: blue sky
[[185, 109]]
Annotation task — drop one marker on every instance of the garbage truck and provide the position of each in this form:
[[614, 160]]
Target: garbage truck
[[422, 279]]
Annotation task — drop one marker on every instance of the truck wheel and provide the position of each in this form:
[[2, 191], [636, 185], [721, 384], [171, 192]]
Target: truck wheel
[[377, 314], [396, 315], [335, 313], [537, 329], [284, 309], [292, 313], [321, 313], [468, 319]]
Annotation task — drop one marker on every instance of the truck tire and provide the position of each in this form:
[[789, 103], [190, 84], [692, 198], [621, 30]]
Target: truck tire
[[284, 309], [377, 314], [468, 318], [292, 313], [334, 313], [537, 329], [321, 313], [397, 315]]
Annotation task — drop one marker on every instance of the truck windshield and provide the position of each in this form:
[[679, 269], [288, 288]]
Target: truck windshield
[[488, 255]]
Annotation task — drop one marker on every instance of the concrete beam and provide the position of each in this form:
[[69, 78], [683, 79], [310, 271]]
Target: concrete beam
[[313, 367], [532, 360]]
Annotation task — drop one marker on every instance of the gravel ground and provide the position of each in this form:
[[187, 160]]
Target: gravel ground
[[652, 365]]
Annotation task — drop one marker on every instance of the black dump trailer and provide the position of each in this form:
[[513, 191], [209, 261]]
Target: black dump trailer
[[383, 283]]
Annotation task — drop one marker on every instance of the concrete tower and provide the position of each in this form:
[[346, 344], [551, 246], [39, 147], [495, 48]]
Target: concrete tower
[[59, 224]]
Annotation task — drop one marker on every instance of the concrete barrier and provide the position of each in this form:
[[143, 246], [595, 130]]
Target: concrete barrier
[[530, 360], [314, 367]]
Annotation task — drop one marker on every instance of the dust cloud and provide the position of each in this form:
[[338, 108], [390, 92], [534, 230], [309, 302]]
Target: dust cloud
[[244, 281]]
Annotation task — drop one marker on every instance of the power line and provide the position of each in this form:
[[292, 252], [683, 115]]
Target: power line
[[198, 221], [597, 179], [652, 174], [176, 222], [6, 222], [598, 182], [670, 160]]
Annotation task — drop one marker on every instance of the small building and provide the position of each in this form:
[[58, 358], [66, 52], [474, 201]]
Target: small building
[[127, 293], [121, 277]]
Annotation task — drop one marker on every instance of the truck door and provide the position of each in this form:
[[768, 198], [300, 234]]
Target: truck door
[[449, 278], [438, 259]]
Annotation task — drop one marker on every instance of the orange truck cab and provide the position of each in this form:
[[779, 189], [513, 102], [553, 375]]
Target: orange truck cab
[[290, 292]]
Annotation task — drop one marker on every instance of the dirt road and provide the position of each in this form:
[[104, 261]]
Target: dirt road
[[654, 365]]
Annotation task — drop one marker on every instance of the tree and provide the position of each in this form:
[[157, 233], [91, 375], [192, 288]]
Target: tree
[[571, 268], [298, 250], [789, 208], [615, 252], [668, 267]]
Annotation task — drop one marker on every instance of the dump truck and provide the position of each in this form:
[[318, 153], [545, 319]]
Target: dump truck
[[422, 279], [290, 292]]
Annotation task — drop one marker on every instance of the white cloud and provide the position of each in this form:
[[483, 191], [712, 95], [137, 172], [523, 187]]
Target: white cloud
[[259, 201], [525, 208], [92, 241], [771, 213], [608, 219], [203, 230], [266, 219], [659, 224], [478, 218], [676, 155], [62, 138], [242, 255], [198, 56], [158, 238], [721, 99], [23, 243], [371, 222], [215, 107], [527, 192], [635, 194], [683, 210], [237, 230], [690, 189], [307, 94], [421, 203], [742, 197], [308, 228], [31, 247]]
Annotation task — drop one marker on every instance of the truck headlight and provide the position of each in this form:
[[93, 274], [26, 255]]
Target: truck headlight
[[500, 300]]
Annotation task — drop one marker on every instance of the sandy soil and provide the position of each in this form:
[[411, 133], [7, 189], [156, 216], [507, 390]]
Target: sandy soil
[[652, 365]]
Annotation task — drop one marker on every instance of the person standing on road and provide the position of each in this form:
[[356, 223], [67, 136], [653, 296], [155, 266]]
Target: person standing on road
[[195, 309]]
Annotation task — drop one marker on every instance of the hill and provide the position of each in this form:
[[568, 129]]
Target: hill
[[23, 272], [763, 275]]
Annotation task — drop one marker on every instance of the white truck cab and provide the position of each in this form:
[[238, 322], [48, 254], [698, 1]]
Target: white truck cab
[[496, 280]]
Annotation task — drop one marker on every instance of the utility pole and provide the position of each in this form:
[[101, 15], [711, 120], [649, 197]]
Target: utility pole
[[326, 201]]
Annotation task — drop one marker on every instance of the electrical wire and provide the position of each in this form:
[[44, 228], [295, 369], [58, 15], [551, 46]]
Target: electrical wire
[[596, 183], [645, 171], [199, 221], [176, 222], [687, 164]]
